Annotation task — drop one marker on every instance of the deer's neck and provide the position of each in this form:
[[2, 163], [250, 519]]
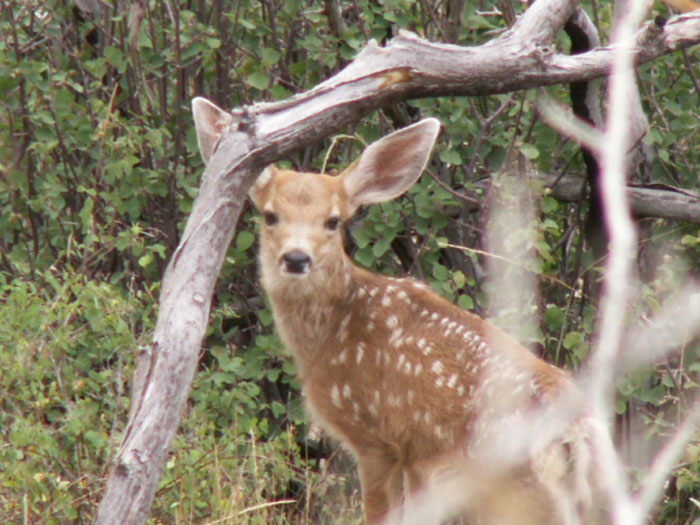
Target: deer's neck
[[308, 311]]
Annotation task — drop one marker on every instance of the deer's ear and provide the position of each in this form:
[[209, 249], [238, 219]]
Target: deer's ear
[[390, 166], [209, 121], [257, 190]]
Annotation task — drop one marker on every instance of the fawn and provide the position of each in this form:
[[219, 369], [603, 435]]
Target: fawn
[[414, 386]]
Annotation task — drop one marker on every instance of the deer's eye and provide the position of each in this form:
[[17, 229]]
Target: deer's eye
[[332, 223], [270, 218]]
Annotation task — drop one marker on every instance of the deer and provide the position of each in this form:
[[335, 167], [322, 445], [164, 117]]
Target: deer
[[413, 386]]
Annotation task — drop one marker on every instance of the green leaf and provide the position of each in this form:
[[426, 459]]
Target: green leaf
[[690, 240], [115, 57], [213, 43], [146, 259], [554, 317], [572, 340], [451, 156], [270, 56], [258, 80], [465, 301], [86, 213], [529, 151], [549, 204], [364, 257], [380, 248], [245, 240], [440, 272]]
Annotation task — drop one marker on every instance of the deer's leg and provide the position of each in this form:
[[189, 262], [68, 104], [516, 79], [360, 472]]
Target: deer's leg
[[382, 486]]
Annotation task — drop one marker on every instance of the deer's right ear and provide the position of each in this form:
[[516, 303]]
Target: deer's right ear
[[390, 166], [257, 190], [209, 121]]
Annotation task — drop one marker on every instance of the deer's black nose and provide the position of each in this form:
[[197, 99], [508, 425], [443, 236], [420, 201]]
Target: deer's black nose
[[296, 261]]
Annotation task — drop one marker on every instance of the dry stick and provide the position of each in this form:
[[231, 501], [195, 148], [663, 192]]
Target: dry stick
[[621, 250]]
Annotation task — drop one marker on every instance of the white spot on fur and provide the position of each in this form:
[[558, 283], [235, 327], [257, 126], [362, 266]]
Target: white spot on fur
[[400, 361], [435, 316], [427, 417], [360, 351], [343, 328], [452, 381], [392, 321], [335, 396], [437, 366], [386, 300], [407, 368], [410, 396], [394, 401], [418, 369], [439, 381], [361, 292], [346, 391]]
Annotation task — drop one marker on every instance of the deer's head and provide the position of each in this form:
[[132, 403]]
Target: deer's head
[[303, 213]]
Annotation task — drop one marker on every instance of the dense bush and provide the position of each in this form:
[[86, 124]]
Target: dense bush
[[98, 169]]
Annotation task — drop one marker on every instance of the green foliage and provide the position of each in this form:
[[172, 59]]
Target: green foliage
[[65, 354], [99, 168]]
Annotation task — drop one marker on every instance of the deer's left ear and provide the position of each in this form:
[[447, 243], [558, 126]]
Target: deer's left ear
[[390, 166], [209, 122]]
